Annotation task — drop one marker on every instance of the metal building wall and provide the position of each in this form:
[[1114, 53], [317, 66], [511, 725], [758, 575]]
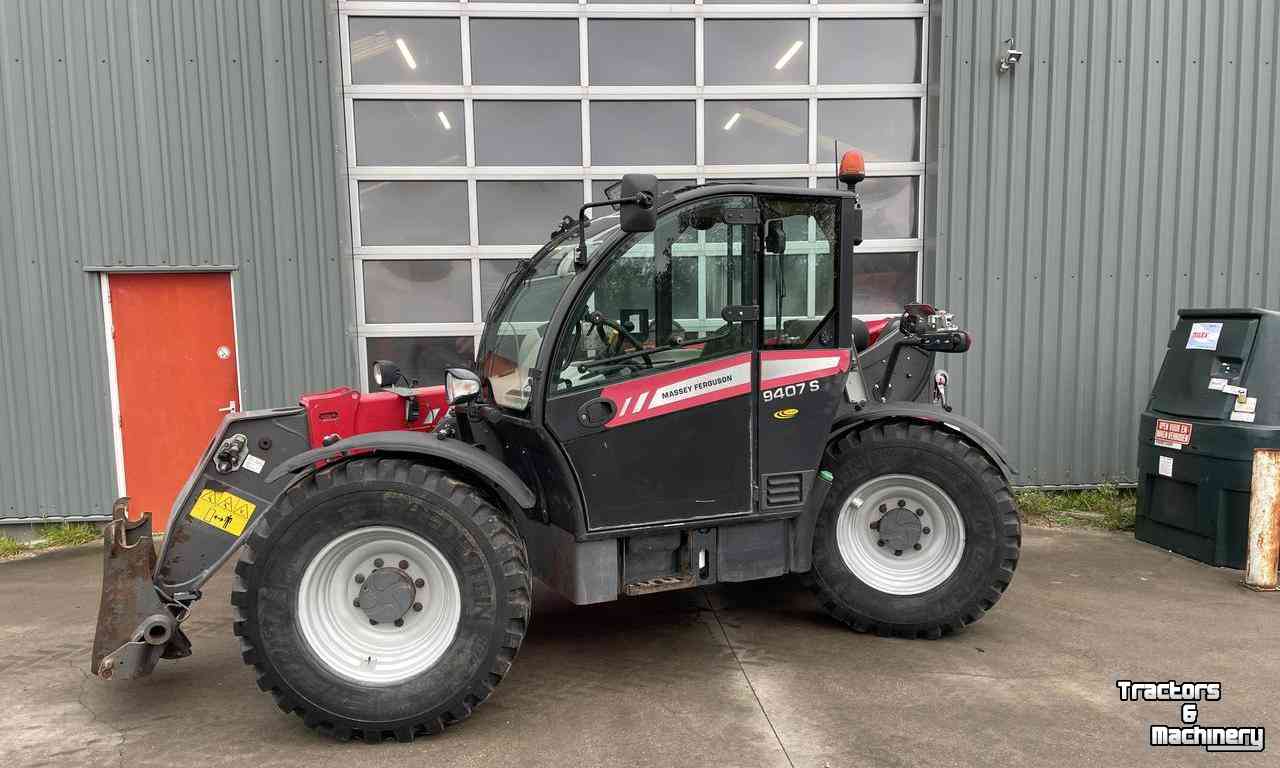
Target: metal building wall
[[157, 135], [1126, 168]]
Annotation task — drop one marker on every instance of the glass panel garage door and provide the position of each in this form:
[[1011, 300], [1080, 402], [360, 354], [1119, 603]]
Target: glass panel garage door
[[471, 129]]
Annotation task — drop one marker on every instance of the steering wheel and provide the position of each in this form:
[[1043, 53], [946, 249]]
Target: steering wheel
[[615, 346]]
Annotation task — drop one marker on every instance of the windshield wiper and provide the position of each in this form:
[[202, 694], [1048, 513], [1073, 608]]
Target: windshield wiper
[[584, 367]]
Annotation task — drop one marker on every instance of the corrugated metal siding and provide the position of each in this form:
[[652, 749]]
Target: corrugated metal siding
[[157, 134], [1124, 170]]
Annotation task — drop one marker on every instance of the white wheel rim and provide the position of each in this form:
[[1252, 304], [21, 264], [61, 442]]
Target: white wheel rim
[[914, 571], [340, 634]]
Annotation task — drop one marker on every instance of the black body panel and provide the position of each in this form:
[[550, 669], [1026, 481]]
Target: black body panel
[[684, 466]]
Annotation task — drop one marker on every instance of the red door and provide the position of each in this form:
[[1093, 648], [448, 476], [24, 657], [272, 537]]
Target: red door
[[175, 356]]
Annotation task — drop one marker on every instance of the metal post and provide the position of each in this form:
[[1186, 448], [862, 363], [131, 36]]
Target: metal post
[[1264, 522]]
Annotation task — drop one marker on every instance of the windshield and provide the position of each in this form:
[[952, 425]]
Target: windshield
[[517, 328]]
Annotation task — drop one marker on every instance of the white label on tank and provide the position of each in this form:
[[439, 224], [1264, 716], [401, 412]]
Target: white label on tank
[[254, 464], [1232, 389], [1246, 405], [1204, 335], [1242, 416], [1217, 384], [1166, 466]]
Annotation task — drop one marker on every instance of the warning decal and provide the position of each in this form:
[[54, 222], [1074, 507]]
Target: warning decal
[[1172, 434], [223, 510]]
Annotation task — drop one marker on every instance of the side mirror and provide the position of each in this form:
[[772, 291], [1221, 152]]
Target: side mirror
[[775, 238], [635, 210]]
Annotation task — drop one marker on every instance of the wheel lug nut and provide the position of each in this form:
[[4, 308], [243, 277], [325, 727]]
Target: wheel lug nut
[[902, 503], [919, 513], [404, 565], [359, 578], [880, 543], [419, 583], [377, 563], [916, 546], [399, 622], [875, 525], [897, 553], [373, 622], [925, 531], [883, 509], [356, 603], [417, 606]]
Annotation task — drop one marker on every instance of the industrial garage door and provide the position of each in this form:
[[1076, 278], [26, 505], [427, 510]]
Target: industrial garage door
[[472, 131]]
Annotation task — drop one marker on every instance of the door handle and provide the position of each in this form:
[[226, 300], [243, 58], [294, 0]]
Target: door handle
[[594, 413]]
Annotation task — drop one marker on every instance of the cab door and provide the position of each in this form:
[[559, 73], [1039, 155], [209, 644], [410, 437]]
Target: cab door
[[652, 386]]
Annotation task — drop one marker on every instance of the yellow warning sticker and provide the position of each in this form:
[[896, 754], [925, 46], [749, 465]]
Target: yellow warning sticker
[[223, 510]]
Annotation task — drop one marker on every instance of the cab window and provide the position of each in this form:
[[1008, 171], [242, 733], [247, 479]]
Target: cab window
[[657, 302], [799, 272]]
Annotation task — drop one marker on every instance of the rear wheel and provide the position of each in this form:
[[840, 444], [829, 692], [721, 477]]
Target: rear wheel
[[919, 534], [382, 599]]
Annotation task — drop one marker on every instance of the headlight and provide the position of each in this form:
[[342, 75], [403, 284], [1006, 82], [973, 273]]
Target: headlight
[[386, 373], [460, 385]]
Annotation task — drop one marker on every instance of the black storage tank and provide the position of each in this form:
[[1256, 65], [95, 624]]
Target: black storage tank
[[1216, 399]]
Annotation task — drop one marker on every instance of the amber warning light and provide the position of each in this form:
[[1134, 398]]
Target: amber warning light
[[853, 168]]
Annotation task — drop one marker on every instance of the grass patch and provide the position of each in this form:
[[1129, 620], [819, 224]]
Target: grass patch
[[68, 534], [1105, 507], [9, 547]]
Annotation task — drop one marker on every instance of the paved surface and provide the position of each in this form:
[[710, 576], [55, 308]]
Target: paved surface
[[744, 675]]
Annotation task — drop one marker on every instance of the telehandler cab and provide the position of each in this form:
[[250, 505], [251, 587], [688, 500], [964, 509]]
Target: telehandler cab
[[651, 409]]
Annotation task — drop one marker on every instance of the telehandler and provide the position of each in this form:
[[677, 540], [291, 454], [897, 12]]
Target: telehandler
[[651, 409]]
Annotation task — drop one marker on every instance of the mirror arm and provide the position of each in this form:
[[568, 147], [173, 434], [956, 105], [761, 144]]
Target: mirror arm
[[644, 199]]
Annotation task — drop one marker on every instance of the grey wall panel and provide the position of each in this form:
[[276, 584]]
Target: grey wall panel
[[1123, 170], [159, 135]]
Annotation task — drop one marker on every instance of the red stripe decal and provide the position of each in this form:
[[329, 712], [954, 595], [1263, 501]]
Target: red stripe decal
[[687, 387]]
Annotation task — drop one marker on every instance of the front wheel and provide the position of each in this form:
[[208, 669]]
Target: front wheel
[[382, 599], [919, 535]]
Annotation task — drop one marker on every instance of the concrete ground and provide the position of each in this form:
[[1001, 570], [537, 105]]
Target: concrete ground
[[741, 675]]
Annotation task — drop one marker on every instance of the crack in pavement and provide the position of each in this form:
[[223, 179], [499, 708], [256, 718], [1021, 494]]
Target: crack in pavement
[[85, 678], [729, 644]]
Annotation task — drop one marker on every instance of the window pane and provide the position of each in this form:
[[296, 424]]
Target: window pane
[[410, 132], [422, 358], [599, 186], [493, 272], [742, 52], [528, 132], [623, 52], [524, 52], [413, 213], [750, 132], [524, 212], [807, 230], [887, 51], [391, 50], [642, 133], [883, 282], [428, 291], [888, 204], [884, 129], [628, 289]]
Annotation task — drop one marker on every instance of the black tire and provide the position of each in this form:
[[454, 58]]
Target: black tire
[[993, 534], [481, 545]]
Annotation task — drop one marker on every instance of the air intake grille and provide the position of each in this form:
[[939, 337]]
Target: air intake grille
[[785, 489]]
